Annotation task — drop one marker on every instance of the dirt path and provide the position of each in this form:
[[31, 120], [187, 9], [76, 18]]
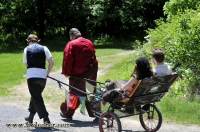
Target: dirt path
[[13, 110]]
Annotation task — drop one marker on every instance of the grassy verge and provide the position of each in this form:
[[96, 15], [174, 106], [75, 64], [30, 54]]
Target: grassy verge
[[180, 110], [121, 70], [13, 71]]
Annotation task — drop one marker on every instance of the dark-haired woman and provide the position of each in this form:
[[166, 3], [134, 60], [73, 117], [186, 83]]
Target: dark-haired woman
[[141, 70]]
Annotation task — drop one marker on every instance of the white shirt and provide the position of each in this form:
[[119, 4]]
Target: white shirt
[[37, 72], [162, 69]]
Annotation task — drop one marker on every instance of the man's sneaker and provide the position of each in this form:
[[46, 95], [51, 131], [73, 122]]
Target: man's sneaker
[[96, 119]]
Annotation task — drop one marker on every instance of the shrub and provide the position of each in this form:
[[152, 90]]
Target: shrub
[[180, 39]]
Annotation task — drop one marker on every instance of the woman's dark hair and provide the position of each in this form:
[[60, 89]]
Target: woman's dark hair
[[142, 68]]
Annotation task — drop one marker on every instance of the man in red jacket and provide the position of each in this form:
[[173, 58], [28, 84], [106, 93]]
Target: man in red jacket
[[79, 60]]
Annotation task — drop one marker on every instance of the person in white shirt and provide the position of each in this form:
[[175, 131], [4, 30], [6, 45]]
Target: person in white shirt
[[34, 57], [161, 68]]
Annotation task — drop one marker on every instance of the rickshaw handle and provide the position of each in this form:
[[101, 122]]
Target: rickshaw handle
[[85, 79], [59, 82]]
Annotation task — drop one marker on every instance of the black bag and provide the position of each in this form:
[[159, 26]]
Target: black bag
[[110, 95], [117, 84]]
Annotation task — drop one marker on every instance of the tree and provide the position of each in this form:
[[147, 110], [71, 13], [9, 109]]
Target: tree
[[52, 19]]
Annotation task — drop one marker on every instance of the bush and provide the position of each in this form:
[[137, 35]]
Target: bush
[[179, 37]]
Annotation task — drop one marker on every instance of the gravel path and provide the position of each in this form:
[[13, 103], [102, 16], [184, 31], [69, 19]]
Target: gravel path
[[11, 114], [13, 111]]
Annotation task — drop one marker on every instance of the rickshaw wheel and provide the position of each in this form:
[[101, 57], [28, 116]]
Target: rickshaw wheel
[[109, 121], [151, 120]]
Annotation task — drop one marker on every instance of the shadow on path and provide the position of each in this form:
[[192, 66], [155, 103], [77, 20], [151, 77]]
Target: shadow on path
[[79, 123]]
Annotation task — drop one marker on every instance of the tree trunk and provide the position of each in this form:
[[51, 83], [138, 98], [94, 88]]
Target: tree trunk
[[40, 6]]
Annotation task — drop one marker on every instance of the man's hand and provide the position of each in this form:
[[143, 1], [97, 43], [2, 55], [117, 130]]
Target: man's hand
[[66, 76]]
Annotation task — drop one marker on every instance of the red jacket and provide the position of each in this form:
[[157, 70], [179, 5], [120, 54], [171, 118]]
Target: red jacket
[[78, 55]]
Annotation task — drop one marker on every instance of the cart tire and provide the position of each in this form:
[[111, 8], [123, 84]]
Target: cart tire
[[109, 121], [151, 120]]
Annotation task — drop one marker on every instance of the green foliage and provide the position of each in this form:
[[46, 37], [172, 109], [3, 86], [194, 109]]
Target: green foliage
[[51, 19], [172, 7], [107, 41], [179, 37]]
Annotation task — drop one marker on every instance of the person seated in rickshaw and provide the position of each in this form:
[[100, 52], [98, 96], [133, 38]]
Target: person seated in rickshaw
[[141, 70], [161, 68]]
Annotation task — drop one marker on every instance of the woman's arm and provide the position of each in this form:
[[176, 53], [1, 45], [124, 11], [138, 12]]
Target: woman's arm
[[132, 81]]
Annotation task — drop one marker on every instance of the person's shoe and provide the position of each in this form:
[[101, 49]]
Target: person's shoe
[[63, 116], [47, 123], [46, 120], [96, 119], [29, 118], [69, 118]]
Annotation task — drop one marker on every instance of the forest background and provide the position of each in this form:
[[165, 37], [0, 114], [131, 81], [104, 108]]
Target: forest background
[[173, 25]]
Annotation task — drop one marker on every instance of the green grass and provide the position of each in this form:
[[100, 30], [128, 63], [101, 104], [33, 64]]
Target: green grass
[[180, 110], [121, 70], [12, 71], [106, 52], [111, 58]]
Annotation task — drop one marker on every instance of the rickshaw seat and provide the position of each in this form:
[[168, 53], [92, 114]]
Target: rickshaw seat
[[125, 99], [150, 89]]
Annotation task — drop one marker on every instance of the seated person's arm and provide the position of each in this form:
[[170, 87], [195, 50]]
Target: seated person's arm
[[169, 70], [132, 81]]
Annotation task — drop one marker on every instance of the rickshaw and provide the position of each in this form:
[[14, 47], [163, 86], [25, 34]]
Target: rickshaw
[[141, 101]]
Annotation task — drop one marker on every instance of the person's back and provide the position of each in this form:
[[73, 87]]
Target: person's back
[[161, 69], [83, 49], [79, 54]]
